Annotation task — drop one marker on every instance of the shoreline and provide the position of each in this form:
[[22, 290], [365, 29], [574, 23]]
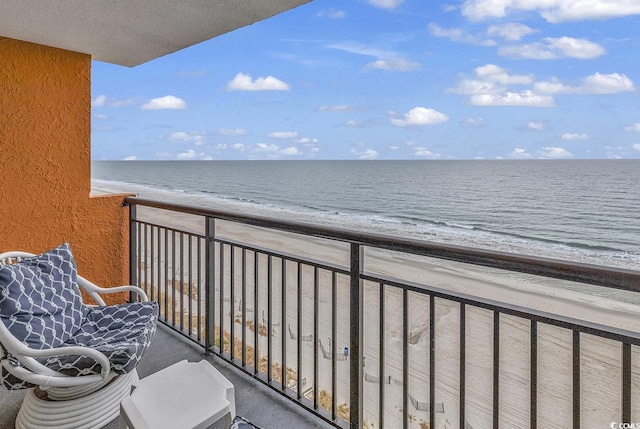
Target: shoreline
[[357, 221]]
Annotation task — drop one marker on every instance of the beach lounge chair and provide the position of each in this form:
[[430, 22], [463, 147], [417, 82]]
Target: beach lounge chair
[[78, 361]]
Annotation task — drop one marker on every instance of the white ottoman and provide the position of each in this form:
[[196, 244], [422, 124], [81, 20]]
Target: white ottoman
[[185, 395]]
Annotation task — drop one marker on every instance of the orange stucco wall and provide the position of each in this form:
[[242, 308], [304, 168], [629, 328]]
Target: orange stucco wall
[[45, 164]]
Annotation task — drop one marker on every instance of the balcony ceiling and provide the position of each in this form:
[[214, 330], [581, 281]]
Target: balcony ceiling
[[130, 32]]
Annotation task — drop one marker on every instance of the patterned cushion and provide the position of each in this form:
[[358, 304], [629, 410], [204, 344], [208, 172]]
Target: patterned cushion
[[121, 332], [40, 302]]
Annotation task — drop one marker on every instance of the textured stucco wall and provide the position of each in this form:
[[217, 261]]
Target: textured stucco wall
[[45, 168]]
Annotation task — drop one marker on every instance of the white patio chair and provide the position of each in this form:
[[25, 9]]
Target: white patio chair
[[78, 361]]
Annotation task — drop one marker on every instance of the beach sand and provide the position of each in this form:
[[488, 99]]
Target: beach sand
[[600, 359]]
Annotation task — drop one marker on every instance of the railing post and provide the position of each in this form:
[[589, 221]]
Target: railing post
[[210, 285], [133, 246], [356, 357]]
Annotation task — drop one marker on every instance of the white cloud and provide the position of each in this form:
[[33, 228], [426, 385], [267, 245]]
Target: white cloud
[[494, 73], [332, 13], [354, 123], [574, 136], [490, 88], [423, 152], [368, 154], [395, 64], [459, 35], [232, 132], [476, 86], [511, 31], [238, 146], [290, 151], [101, 117], [243, 82], [263, 147], [554, 153], [195, 137], [166, 102], [636, 147], [633, 127], [552, 10], [419, 116], [551, 48], [394, 147], [130, 158], [595, 84], [307, 141], [519, 153], [474, 122], [99, 101], [190, 154], [522, 98], [536, 126], [220, 146], [386, 4], [283, 134]]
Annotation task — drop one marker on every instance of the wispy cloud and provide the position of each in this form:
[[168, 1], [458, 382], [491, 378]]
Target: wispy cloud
[[386, 59], [386, 4], [104, 100], [283, 134], [195, 137], [459, 35], [474, 122], [574, 136], [552, 48], [338, 108], [332, 13], [633, 127], [243, 82], [395, 64], [510, 31], [536, 126], [232, 132], [166, 102]]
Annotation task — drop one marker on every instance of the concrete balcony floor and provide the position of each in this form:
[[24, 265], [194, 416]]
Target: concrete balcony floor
[[254, 401]]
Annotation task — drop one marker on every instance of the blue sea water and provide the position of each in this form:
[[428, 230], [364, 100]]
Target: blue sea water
[[581, 210]]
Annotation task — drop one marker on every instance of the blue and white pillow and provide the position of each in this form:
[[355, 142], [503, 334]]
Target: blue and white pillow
[[40, 302]]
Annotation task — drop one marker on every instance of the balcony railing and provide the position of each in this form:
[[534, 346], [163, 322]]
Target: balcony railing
[[360, 348]]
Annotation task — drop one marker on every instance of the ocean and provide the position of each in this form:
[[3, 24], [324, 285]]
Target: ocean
[[578, 210]]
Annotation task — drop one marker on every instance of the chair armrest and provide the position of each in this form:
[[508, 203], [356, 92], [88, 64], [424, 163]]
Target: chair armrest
[[126, 288], [94, 290], [27, 357]]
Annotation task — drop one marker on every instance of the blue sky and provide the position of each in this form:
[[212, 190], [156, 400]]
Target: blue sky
[[388, 79]]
